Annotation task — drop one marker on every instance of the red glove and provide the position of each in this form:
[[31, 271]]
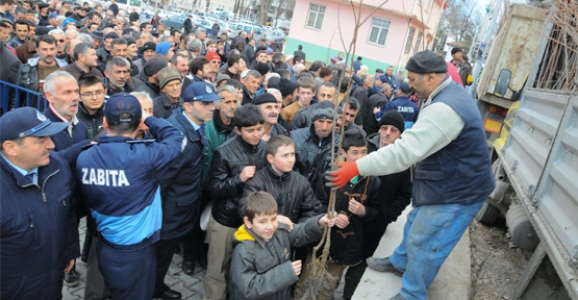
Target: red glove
[[346, 172]]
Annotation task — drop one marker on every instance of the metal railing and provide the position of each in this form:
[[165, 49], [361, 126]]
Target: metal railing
[[12, 96]]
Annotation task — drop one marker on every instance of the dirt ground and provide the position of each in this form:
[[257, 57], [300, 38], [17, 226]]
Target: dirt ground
[[496, 266]]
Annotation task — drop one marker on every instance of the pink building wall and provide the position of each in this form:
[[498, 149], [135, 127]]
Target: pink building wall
[[400, 13]]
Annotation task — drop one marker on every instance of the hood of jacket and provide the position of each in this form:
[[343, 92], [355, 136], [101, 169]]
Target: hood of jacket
[[373, 139], [242, 234], [33, 62]]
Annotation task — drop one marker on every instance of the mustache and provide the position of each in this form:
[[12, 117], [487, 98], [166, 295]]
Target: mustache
[[273, 115]]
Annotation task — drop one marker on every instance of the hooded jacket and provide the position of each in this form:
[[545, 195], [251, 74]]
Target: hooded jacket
[[313, 159], [262, 269], [225, 183], [293, 193], [28, 73]]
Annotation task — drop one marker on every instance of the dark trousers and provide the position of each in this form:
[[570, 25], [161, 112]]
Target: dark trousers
[[194, 246], [128, 272], [165, 250], [95, 288], [352, 278]]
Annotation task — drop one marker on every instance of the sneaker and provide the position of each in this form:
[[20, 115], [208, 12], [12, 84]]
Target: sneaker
[[71, 279], [383, 265]]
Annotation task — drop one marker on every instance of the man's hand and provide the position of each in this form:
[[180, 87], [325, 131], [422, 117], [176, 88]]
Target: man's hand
[[296, 267], [283, 219], [325, 220], [347, 171], [342, 221], [248, 172], [69, 266], [356, 207], [376, 110]]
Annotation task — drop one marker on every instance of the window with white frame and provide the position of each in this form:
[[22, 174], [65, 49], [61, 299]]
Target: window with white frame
[[417, 45], [379, 30], [409, 40], [315, 16]]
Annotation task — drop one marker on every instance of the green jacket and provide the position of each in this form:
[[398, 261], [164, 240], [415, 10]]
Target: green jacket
[[216, 134]]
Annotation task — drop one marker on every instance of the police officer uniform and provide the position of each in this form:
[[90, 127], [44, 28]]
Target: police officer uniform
[[119, 179], [37, 223]]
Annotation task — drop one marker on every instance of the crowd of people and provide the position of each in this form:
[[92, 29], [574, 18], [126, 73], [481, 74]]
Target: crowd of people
[[217, 149]]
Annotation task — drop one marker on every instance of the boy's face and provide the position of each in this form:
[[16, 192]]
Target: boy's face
[[252, 134], [284, 160], [354, 153], [305, 95], [263, 225]]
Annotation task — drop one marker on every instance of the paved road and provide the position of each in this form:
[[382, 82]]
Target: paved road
[[191, 287]]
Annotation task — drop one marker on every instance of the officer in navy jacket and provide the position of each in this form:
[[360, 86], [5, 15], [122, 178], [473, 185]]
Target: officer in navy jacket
[[181, 186], [119, 179], [404, 106], [37, 224]]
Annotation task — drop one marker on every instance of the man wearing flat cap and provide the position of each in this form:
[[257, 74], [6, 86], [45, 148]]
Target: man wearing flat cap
[[181, 186], [448, 145], [119, 179], [37, 221]]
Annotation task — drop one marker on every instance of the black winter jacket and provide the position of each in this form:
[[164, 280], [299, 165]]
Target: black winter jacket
[[181, 185], [225, 185], [313, 159], [295, 197], [347, 243], [395, 196], [93, 122]]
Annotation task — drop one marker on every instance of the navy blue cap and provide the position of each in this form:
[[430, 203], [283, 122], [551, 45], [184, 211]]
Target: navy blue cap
[[27, 121], [404, 87], [123, 103], [200, 91]]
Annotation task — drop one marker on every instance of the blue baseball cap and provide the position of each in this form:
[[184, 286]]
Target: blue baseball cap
[[123, 108], [27, 121], [200, 91], [52, 15]]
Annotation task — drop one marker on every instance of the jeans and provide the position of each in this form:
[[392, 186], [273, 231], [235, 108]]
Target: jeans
[[429, 236]]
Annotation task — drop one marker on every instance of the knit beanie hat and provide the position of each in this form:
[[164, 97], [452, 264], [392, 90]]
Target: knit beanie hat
[[393, 117], [324, 110], [163, 48], [167, 75], [273, 83], [154, 65]]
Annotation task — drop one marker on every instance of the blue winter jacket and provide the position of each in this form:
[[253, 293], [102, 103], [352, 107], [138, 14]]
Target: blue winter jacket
[[119, 179], [38, 230]]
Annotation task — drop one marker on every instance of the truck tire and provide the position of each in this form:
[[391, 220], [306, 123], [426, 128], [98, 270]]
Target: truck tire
[[488, 214]]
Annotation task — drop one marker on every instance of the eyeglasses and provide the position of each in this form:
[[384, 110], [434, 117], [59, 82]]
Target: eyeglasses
[[92, 95]]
